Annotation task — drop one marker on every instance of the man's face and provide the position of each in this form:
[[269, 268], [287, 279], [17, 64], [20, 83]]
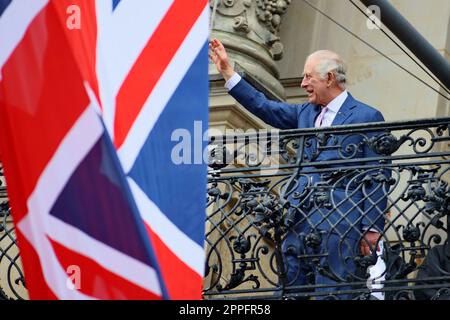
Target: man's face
[[315, 86]]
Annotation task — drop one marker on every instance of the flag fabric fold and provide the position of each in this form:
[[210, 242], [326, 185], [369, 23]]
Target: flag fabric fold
[[90, 94]]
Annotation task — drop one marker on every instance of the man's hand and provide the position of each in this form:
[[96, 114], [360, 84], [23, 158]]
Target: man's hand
[[369, 242], [219, 57]]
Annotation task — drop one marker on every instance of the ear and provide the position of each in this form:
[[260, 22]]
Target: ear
[[330, 78]]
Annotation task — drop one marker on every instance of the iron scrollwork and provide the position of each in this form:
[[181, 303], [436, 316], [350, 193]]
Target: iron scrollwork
[[312, 211], [317, 205]]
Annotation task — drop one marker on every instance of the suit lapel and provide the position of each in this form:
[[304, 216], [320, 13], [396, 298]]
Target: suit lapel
[[345, 111], [313, 115], [308, 122]]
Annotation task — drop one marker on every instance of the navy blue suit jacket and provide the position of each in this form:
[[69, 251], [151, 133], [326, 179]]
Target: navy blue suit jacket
[[292, 116]]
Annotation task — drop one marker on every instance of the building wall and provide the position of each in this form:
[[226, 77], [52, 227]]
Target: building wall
[[371, 77]]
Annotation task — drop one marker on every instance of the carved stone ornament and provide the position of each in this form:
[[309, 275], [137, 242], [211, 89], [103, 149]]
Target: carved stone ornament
[[249, 29]]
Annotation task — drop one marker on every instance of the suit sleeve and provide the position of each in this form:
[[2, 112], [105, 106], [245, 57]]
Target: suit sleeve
[[376, 192], [277, 114]]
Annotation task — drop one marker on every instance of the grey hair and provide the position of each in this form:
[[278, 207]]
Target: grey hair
[[329, 61]]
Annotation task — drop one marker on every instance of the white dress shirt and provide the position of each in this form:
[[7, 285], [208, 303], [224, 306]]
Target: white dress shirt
[[333, 109], [328, 117], [235, 78]]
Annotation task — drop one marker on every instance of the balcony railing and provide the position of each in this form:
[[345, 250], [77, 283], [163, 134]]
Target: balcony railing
[[12, 284], [353, 212]]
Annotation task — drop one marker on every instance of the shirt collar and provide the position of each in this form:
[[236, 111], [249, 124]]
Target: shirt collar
[[337, 102]]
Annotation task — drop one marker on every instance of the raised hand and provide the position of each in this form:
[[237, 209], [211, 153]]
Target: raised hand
[[219, 57]]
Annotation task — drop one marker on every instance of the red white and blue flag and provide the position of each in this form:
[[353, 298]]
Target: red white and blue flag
[[90, 94]]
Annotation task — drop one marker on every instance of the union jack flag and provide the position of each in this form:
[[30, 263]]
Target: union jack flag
[[90, 93]]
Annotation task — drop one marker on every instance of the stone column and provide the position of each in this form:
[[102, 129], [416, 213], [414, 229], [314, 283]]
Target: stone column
[[249, 30]]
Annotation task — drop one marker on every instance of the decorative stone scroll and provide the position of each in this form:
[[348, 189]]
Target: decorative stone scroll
[[249, 29]]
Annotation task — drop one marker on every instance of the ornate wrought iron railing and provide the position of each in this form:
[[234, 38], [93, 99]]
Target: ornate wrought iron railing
[[12, 284], [288, 213], [352, 212]]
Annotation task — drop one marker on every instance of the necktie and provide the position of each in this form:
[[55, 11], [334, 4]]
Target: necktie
[[319, 119]]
